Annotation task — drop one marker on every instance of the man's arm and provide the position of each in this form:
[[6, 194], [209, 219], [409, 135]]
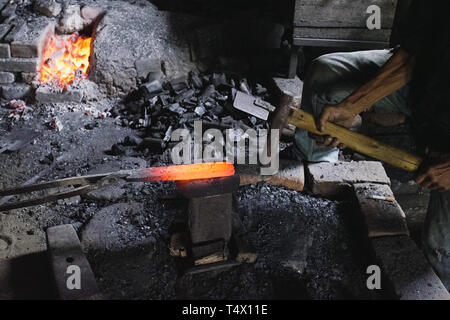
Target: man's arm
[[395, 73]]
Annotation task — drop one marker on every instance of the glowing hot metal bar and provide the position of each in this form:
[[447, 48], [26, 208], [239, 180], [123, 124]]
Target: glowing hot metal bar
[[197, 171], [86, 184]]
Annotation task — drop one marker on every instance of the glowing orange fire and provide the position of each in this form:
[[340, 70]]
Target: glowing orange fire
[[65, 59]]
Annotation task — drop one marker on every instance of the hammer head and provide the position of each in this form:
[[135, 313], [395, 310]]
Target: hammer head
[[279, 120]]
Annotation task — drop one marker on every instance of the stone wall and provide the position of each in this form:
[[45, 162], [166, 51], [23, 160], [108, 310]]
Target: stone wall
[[21, 43]]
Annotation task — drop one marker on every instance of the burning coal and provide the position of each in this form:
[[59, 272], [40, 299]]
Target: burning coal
[[65, 59]]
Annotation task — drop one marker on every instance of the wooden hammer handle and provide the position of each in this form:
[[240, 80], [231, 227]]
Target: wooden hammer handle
[[357, 141]]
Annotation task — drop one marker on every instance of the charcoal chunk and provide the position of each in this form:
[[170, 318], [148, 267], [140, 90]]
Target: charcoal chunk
[[152, 87], [200, 111], [176, 108]]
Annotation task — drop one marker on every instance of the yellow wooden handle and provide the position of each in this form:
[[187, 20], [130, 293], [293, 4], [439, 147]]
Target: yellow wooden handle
[[357, 141]]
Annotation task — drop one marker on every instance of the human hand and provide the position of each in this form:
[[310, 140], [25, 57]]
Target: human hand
[[435, 175], [338, 115]]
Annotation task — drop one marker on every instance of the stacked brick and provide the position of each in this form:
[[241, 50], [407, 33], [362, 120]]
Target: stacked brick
[[21, 44], [403, 264]]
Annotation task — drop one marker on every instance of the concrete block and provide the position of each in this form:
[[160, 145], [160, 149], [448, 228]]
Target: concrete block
[[19, 65], [291, 175], [331, 179], [29, 39], [383, 218], [65, 251], [407, 269], [5, 51], [47, 95], [7, 77], [16, 91]]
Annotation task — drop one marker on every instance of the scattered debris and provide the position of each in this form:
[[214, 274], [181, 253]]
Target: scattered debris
[[20, 109], [56, 124]]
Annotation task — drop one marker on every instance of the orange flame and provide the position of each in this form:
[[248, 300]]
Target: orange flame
[[65, 59]]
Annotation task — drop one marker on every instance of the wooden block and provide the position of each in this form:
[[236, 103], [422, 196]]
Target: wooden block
[[219, 266], [291, 175], [178, 246], [383, 218], [212, 258], [407, 269], [207, 249], [65, 251], [355, 34], [341, 13]]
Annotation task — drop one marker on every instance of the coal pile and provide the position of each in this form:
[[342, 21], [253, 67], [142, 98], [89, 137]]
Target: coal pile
[[159, 107]]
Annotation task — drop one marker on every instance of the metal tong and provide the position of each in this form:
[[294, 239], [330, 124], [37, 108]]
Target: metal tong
[[82, 185], [85, 184]]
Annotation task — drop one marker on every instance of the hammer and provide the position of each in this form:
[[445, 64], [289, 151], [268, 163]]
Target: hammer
[[289, 113]]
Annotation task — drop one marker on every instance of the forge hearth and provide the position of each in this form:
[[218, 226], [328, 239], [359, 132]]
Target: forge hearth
[[128, 46], [39, 51]]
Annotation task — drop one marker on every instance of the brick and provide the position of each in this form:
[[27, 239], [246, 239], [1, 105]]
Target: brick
[[146, 65], [4, 29], [9, 11], [383, 218], [5, 51], [65, 250], [406, 268], [28, 39], [91, 13], [331, 179], [7, 77], [28, 77], [50, 8], [3, 4], [291, 175], [16, 91], [19, 65], [47, 95]]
